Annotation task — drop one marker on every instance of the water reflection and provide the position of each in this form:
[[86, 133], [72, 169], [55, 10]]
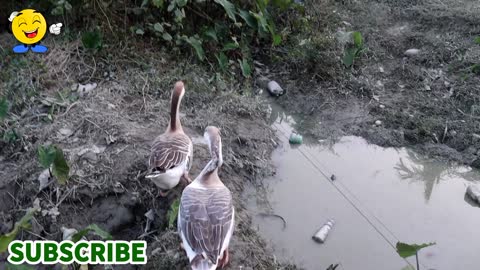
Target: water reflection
[[417, 168]]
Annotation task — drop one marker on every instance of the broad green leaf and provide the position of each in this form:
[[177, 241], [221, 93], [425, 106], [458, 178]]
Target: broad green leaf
[[171, 6], [60, 168], [18, 267], [248, 18], [158, 3], [406, 250], [357, 39], [92, 228], [57, 11], [282, 4], [231, 46], [349, 57], [158, 27], [173, 213], [222, 61], [92, 40], [67, 6], [245, 67], [181, 3], [166, 36], [46, 155], [211, 34], [197, 45], [477, 40], [10, 136], [261, 22], [23, 223], [277, 39], [229, 8], [3, 108]]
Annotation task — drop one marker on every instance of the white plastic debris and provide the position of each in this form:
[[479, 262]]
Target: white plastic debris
[[275, 89], [412, 52], [321, 235], [84, 89], [378, 123], [68, 233], [44, 178], [474, 193]]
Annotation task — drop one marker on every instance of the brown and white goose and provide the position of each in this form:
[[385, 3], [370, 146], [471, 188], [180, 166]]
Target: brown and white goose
[[172, 152], [206, 214]]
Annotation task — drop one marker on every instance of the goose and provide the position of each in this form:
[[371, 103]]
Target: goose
[[171, 152], [206, 215]]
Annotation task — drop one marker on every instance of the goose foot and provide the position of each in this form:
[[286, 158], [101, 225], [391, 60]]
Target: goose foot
[[225, 259]]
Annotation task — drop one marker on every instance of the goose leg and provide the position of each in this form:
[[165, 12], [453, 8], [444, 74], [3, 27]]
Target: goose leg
[[163, 193], [187, 177], [225, 259]]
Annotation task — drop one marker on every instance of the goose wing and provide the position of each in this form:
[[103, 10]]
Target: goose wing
[[206, 221], [169, 151]]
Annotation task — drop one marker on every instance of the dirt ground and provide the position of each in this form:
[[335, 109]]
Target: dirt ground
[[429, 101], [106, 134]]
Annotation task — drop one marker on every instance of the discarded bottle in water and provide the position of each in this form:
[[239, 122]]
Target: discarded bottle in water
[[295, 138], [474, 193], [322, 234]]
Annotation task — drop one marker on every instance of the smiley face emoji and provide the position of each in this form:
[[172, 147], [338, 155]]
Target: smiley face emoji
[[29, 26]]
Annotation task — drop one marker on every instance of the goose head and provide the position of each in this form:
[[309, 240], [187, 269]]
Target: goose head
[[214, 140]]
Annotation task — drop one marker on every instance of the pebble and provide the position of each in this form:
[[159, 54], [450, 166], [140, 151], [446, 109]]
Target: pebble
[[412, 52], [381, 106], [381, 69], [427, 87], [378, 123], [275, 89]]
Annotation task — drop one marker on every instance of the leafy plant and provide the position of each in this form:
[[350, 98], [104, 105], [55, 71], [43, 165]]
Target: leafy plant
[[353, 52], [92, 228], [10, 136], [92, 40], [52, 158], [3, 108], [172, 213], [23, 223], [407, 250]]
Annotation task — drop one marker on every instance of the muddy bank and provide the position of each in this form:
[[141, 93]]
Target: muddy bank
[[429, 100], [106, 134]]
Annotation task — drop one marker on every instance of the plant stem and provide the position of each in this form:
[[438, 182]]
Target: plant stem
[[416, 257]]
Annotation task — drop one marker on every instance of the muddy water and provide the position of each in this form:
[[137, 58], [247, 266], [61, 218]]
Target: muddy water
[[380, 196]]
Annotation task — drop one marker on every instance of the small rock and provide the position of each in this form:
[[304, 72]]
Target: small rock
[[111, 106], [378, 123], [66, 132], [381, 69], [452, 133], [427, 87], [474, 193], [275, 89], [412, 52], [381, 106], [475, 137]]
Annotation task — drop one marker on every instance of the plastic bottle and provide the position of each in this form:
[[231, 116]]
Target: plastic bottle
[[321, 235]]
